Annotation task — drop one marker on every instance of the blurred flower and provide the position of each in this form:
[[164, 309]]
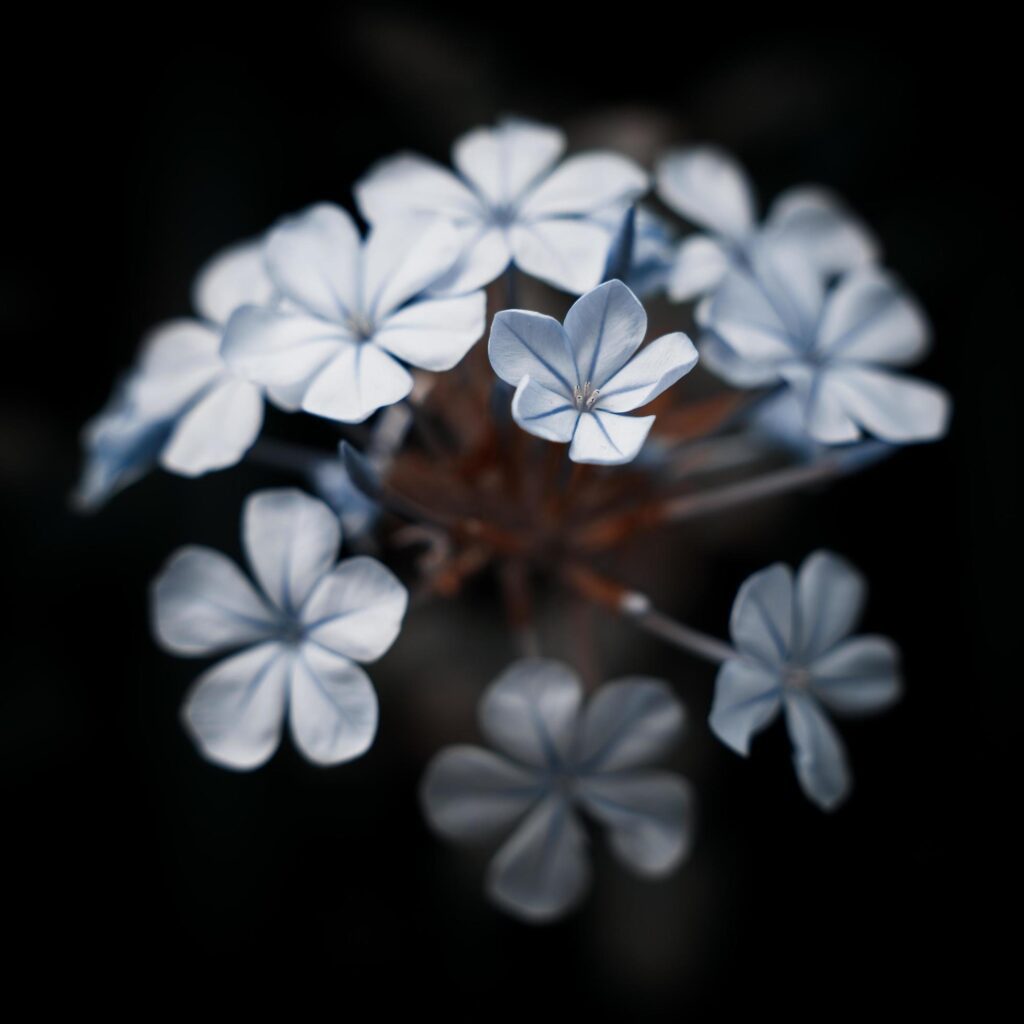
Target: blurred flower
[[353, 313], [641, 251], [181, 406], [795, 652], [511, 203], [779, 323], [557, 760], [576, 383], [298, 640], [708, 187]]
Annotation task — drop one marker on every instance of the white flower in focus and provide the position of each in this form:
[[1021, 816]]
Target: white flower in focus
[[353, 313], [795, 654], [708, 187], [555, 761], [512, 202], [181, 406], [834, 347], [577, 383], [297, 639]]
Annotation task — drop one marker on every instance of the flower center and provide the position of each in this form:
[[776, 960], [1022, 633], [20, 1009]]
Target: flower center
[[585, 396], [796, 677], [503, 216], [361, 326]]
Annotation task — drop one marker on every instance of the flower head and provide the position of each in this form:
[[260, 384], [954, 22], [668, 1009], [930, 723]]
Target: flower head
[[353, 313], [511, 202], [557, 759], [298, 637], [575, 383], [795, 653]]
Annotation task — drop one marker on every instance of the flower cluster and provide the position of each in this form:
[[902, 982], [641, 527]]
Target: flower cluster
[[442, 448]]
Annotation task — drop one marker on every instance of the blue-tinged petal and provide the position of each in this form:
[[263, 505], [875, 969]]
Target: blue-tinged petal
[[532, 344], [361, 379], [434, 334], [654, 368], [722, 361], [234, 277], [291, 541], [585, 184], [860, 676], [483, 257], [234, 711], [708, 187], [178, 361], [605, 327], [700, 264], [793, 285], [609, 438], [564, 252], [747, 699], [202, 603], [313, 258], [357, 511], [544, 413], [818, 753], [824, 414], [412, 184], [628, 722], [471, 794], [830, 596], [761, 622], [356, 610], [530, 711], [333, 707], [649, 816], [542, 871], [743, 316]]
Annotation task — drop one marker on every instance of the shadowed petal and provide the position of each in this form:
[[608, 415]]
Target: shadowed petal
[[860, 676], [742, 315], [360, 380], [654, 368], [605, 327], [532, 344], [824, 416], [608, 438], [235, 277], [830, 596], [722, 361], [762, 615], [544, 413], [436, 333], [747, 699], [708, 187], [818, 754], [700, 264], [484, 255]]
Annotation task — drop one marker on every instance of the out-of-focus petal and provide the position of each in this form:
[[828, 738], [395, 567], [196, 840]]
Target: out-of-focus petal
[[412, 184], [544, 413], [824, 414], [656, 367], [722, 361], [818, 753], [609, 438], [484, 255], [860, 676], [605, 327], [830, 596], [761, 623], [178, 361], [792, 284], [747, 699], [235, 277], [708, 187], [359, 380], [564, 252], [742, 315], [700, 264], [532, 344], [584, 184], [436, 333]]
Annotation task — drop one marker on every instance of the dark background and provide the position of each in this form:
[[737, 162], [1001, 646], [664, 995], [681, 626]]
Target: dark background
[[140, 148]]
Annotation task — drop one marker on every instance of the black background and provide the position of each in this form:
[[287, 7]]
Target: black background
[[140, 148]]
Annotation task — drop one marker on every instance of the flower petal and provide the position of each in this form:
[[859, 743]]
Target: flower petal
[[178, 362], [708, 187], [484, 255], [654, 368], [700, 264], [649, 815], [471, 794], [333, 707], [830, 596], [818, 753], [793, 285], [608, 438], [585, 184], [544, 413], [313, 258], [202, 603], [530, 711], [234, 711], [361, 379], [234, 277], [565, 253], [860, 676], [722, 361], [605, 327], [824, 415], [741, 314], [356, 611], [412, 184], [436, 333], [628, 722], [761, 623], [747, 698], [532, 344], [542, 871], [291, 541]]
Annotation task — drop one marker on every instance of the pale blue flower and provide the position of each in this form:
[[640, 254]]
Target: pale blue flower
[[297, 638], [576, 383], [795, 654], [834, 346], [181, 406], [641, 252], [557, 759], [709, 188], [353, 314], [512, 202]]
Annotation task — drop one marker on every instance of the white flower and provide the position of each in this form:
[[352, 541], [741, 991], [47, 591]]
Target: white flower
[[709, 188], [576, 383], [353, 313], [297, 641], [511, 203], [181, 406], [795, 653], [779, 323], [557, 760]]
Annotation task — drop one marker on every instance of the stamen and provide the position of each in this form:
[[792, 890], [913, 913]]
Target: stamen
[[585, 397]]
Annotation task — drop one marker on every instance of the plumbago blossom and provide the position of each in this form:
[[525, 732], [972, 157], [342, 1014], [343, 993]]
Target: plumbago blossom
[[298, 641], [576, 383], [795, 654], [557, 759]]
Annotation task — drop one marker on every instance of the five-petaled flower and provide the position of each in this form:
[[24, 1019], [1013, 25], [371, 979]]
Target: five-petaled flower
[[709, 188], [300, 639], [557, 759], [512, 204], [795, 653], [353, 312], [575, 383]]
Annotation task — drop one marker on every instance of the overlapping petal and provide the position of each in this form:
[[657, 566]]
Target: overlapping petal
[[761, 623], [709, 188], [748, 696], [232, 278], [605, 327]]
